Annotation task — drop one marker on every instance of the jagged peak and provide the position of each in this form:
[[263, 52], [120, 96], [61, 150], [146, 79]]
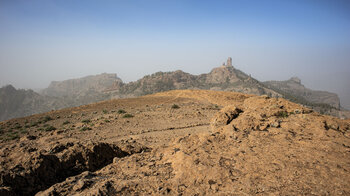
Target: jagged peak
[[228, 63], [295, 79]]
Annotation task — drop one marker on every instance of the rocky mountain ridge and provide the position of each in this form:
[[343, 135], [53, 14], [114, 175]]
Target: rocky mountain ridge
[[90, 89], [295, 87], [17, 103]]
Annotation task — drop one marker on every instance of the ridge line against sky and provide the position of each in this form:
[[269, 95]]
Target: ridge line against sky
[[46, 40]]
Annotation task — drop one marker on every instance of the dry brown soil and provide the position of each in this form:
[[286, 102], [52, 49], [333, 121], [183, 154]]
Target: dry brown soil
[[183, 142]]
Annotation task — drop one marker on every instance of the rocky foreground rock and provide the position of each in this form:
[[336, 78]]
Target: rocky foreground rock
[[212, 143]]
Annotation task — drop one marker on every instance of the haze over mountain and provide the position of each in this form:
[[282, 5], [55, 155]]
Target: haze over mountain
[[44, 41], [91, 89], [132, 98]]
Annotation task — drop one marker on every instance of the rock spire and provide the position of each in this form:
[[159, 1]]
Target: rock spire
[[229, 62]]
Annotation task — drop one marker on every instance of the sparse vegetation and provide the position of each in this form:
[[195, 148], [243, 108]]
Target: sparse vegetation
[[50, 128], [105, 111], [128, 116], [46, 119], [18, 126], [175, 106], [107, 121], [86, 121], [121, 111], [282, 114], [24, 131], [12, 136], [66, 122], [34, 124], [85, 129]]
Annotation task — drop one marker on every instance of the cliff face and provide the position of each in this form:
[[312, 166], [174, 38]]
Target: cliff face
[[78, 87], [84, 90], [294, 87]]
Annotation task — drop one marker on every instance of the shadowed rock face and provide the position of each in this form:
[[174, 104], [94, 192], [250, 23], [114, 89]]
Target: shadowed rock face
[[43, 169]]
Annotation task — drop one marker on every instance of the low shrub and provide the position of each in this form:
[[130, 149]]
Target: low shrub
[[121, 111], [86, 121], [50, 128], [128, 116], [175, 106], [47, 118], [65, 122], [85, 129], [282, 114]]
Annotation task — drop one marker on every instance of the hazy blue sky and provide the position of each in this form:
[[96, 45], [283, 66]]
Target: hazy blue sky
[[45, 40]]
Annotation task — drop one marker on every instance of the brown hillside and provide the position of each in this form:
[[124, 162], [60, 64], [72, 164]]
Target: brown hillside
[[183, 142]]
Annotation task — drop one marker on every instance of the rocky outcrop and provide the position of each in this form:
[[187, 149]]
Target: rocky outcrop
[[221, 75]]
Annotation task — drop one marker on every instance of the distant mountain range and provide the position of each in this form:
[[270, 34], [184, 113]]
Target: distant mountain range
[[74, 92]]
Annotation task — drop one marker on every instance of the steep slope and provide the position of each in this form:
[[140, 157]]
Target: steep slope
[[294, 87], [253, 145], [17, 103], [321, 101]]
